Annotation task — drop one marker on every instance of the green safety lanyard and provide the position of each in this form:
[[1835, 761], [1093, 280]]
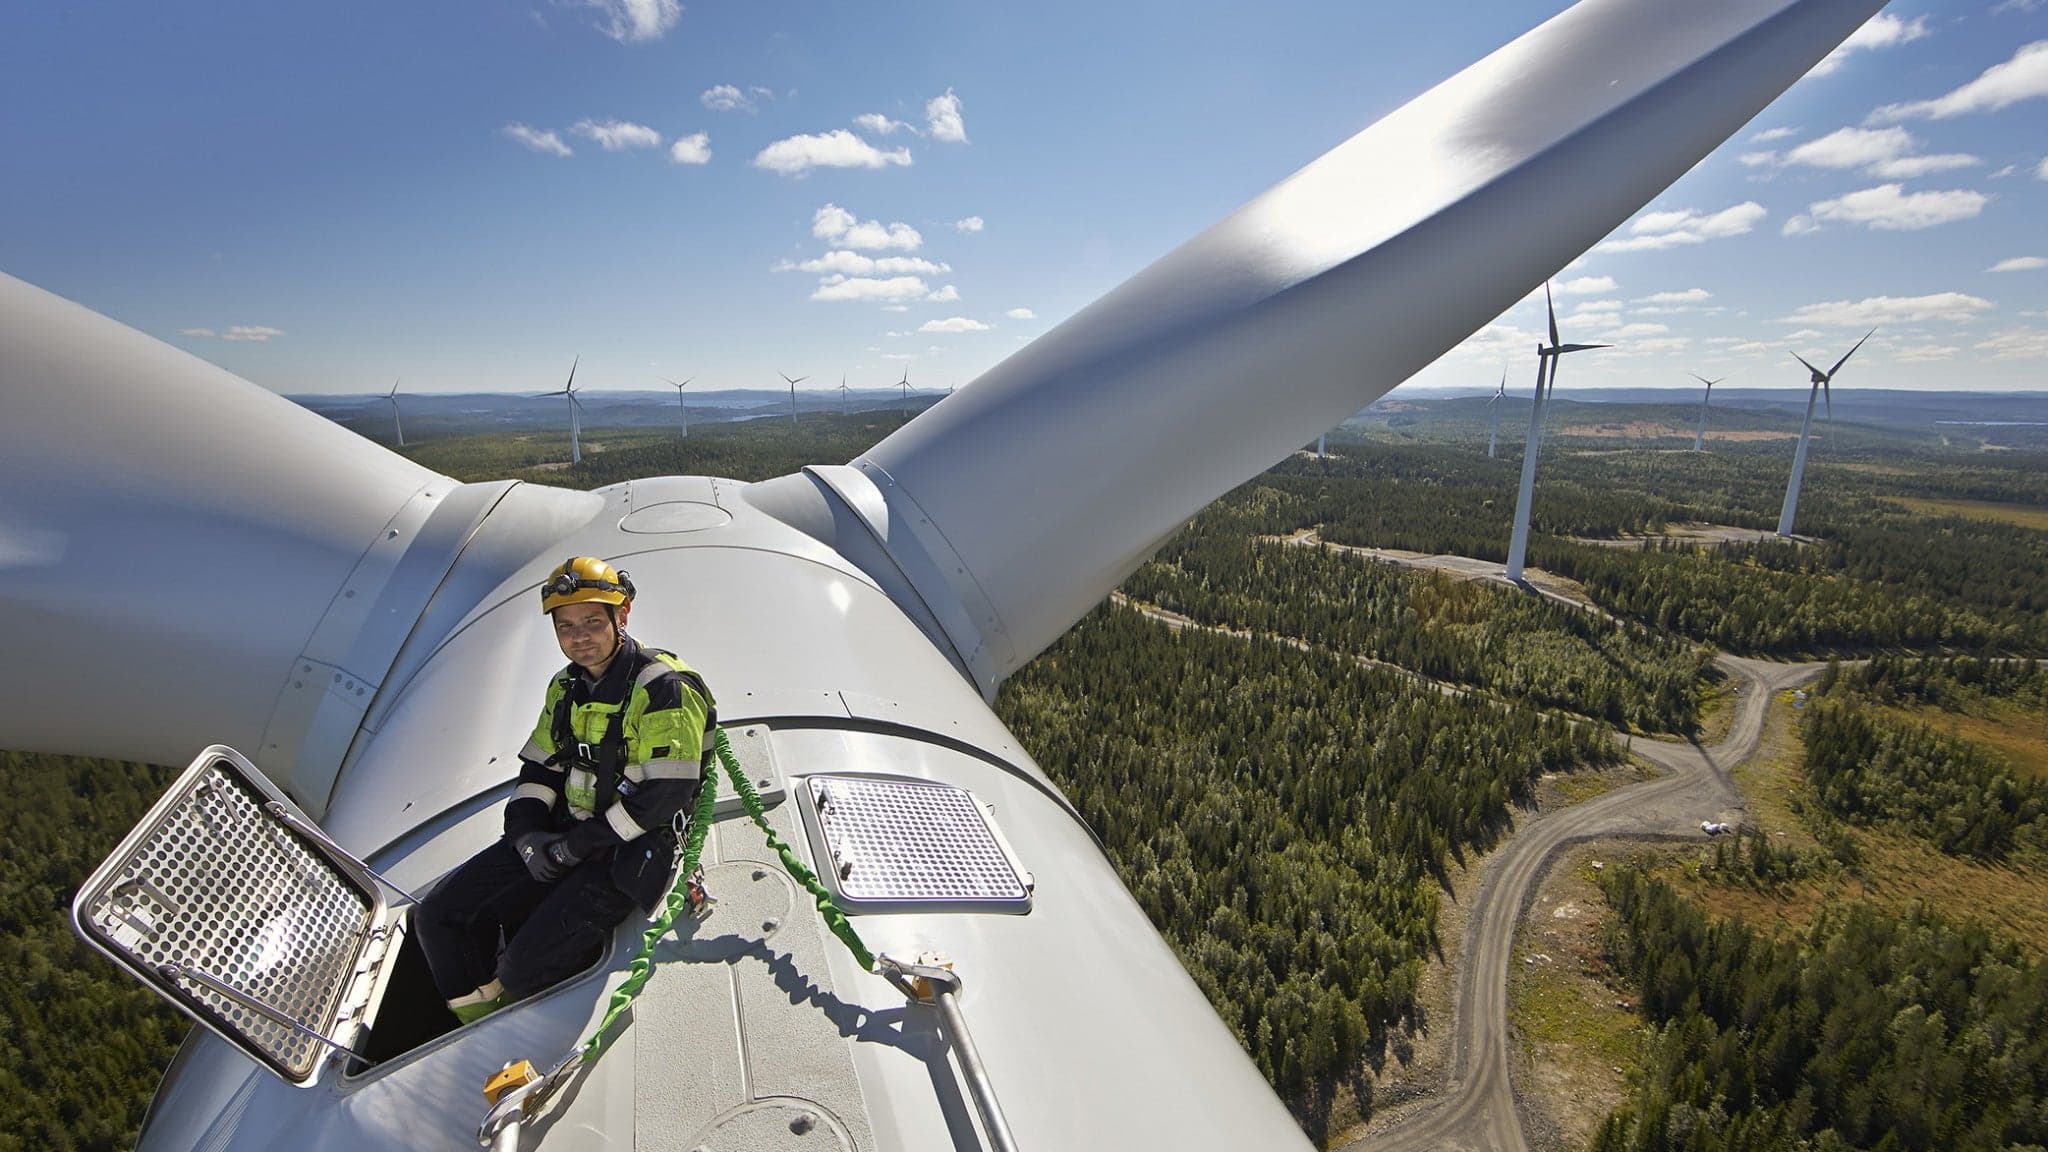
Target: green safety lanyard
[[679, 898]]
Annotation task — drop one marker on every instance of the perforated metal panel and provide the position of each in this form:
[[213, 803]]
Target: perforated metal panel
[[209, 883], [910, 845]]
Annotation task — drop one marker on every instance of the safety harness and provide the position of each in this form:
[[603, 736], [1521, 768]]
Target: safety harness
[[605, 761]]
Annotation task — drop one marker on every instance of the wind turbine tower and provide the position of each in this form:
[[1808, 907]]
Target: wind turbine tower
[[1546, 379], [681, 412], [1699, 438], [792, 395], [395, 423], [1322, 441], [842, 395], [1493, 405], [905, 385], [575, 407], [1819, 388]]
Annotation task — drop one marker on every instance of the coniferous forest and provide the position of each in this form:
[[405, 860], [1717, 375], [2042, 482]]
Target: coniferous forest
[[1284, 784]]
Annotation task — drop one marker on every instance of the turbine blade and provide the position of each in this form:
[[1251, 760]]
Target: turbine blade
[[1233, 350], [1849, 353], [1551, 307], [1817, 373], [1564, 348], [571, 386], [143, 481]]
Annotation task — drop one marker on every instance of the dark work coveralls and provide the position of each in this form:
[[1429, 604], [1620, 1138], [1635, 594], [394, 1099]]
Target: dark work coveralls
[[620, 828]]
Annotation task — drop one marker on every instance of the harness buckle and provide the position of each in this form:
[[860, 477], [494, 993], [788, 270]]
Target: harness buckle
[[585, 752]]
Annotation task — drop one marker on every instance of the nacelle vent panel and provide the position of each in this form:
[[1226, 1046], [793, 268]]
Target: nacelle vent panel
[[901, 845]]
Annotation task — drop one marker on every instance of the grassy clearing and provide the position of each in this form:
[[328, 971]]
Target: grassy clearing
[[2024, 515], [1894, 871], [2013, 732], [1574, 1040]]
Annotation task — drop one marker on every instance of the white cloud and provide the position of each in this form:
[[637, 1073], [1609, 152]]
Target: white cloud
[[1655, 346], [543, 142], [1759, 159], [968, 224], [1951, 307], [846, 230], [899, 355], [879, 124], [1774, 134], [1631, 332], [942, 115], [1908, 167], [1882, 152], [2002, 173], [694, 149], [842, 262], [1600, 310], [1585, 286], [2019, 264], [2017, 344], [726, 98], [1655, 231], [195, 332], [1804, 334], [1021, 314], [2041, 173], [1687, 296], [1886, 209], [631, 20], [1751, 348], [953, 324], [945, 295], [797, 155], [1925, 353], [250, 333], [1882, 31], [2023, 77], [617, 135], [2017, 6], [1852, 148], [893, 290], [1799, 226]]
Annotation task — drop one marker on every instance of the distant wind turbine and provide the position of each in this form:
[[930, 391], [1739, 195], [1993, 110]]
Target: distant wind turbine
[[575, 408], [792, 395], [393, 397], [1546, 379], [1322, 441], [681, 412], [1499, 394], [842, 395], [1699, 438], [1820, 388], [905, 385]]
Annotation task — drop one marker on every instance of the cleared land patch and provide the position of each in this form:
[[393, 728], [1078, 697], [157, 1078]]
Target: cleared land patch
[[2024, 515]]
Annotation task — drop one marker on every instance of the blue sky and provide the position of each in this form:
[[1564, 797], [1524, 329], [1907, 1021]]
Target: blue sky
[[466, 196]]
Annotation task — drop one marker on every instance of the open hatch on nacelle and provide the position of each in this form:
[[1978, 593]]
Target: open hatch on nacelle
[[228, 902]]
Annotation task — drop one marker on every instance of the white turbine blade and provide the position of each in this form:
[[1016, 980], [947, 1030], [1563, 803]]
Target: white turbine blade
[[1849, 353], [174, 525], [1817, 373], [1053, 477]]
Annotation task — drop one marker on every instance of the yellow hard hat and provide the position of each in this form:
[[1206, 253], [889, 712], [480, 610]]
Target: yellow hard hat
[[585, 580]]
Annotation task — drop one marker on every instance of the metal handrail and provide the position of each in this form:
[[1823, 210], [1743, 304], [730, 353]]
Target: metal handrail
[[945, 986]]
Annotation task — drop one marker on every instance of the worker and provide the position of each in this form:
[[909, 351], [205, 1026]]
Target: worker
[[615, 762]]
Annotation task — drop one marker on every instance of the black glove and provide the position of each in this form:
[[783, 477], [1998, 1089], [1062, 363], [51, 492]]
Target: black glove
[[562, 854], [536, 851]]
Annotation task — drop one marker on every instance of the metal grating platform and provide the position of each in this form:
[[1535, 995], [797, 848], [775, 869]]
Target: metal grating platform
[[211, 884], [910, 845]]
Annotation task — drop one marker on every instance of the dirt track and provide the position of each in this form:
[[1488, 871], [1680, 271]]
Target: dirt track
[[1477, 1108]]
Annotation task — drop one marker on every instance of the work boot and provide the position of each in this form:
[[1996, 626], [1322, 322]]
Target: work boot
[[478, 1004]]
